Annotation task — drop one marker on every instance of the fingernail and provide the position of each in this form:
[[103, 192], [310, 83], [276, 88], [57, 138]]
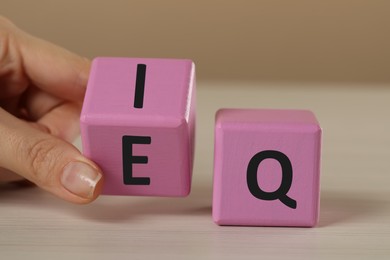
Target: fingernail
[[80, 179]]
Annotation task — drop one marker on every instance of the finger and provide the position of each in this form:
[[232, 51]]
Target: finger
[[11, 105], [38, 103], [50, 67], [63, 121], [8, 176], [12, 78], [54, 69], [47, 161]]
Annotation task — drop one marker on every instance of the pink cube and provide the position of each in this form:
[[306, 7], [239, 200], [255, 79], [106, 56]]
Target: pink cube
[[266, 168], [138, 125]]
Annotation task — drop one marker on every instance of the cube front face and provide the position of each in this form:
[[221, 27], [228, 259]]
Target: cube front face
[[143, 148], [266, 169]]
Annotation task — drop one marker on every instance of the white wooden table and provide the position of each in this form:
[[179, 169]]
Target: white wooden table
[[355, 193]]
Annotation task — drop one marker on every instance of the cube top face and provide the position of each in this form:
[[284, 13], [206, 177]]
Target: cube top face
[[112, 91], [265, 118], [266, 168]]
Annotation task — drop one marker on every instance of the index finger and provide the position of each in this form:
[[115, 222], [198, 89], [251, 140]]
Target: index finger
[[50, 67]]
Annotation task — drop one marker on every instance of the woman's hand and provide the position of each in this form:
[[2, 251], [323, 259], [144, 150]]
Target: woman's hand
[[41, 91]]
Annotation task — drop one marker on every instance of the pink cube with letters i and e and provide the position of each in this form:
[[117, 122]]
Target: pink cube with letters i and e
[[138, 125]]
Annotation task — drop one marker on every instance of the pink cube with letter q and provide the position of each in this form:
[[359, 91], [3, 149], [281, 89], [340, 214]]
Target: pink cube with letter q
[[266, 168]]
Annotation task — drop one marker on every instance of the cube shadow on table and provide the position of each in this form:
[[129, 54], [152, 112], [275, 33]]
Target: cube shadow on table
[[138, 125], [266, 168]]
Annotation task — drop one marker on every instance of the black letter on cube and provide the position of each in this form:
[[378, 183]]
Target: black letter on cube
[[140, 86], [129, 159], [287, 175]]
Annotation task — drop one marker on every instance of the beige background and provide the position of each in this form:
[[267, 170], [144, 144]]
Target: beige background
[[291, 41]]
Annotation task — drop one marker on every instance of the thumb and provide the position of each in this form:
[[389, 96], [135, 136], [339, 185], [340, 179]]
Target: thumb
[[47, 161]]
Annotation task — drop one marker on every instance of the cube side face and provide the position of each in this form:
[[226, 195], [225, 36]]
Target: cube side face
[[166, 121], [266, 203], [168, 158]]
